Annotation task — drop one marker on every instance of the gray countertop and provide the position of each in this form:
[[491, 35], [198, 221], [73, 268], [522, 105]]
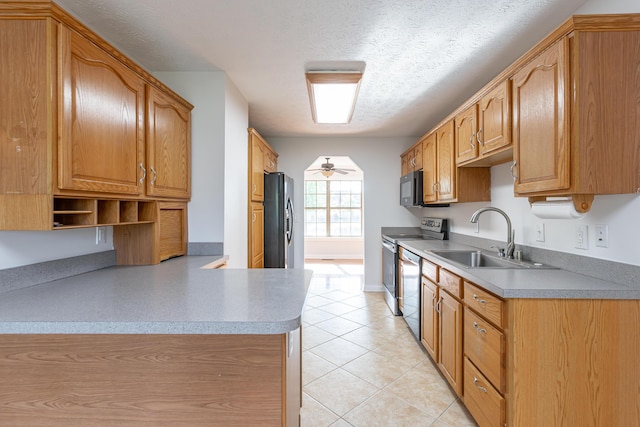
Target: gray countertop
[[174, 297], [524, 283]]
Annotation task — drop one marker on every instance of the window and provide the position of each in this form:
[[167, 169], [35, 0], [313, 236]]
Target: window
[[333, 208]]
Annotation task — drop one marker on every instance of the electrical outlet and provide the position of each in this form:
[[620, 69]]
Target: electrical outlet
[[582, 237], [540, 232], [602, 235], [101, 235]]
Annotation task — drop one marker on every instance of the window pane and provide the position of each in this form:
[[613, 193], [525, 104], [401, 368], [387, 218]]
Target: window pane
[[344, 229], [321, 201], [335, 216], [355, 215], [345, 215], [335, 229], [310, 187], [335, 200], [355, 229], [345, 201], [355, 200], [321, 216], [321, 230], [310, 215], [309, 200], [321, 187], [356, 187]]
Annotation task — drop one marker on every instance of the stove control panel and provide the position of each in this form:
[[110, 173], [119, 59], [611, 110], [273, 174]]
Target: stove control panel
[[437, 225]]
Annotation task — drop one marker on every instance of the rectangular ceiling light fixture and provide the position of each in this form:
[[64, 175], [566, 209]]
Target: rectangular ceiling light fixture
[[333, 95]]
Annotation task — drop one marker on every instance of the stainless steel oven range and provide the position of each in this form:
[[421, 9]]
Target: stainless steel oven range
[[431, 228]]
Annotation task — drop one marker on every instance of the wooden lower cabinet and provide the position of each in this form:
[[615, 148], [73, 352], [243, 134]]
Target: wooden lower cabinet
[[573, 362], [430, 321], [144, 380], [256, 235], [482, 400], [450, 342]]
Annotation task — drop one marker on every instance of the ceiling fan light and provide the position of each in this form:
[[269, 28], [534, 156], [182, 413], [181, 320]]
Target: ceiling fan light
[[333, 95], [326, 173]]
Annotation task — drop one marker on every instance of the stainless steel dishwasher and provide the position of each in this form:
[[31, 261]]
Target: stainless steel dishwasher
[[410, 290]]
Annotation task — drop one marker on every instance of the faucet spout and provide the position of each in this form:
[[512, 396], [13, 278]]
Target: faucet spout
[[510, 231]]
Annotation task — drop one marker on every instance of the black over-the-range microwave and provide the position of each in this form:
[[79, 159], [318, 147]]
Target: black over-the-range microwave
[[411, 191]]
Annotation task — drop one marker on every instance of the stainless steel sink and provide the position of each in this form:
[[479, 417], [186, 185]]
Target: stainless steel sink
[[479, 259]]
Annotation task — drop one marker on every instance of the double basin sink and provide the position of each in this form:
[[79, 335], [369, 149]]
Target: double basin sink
[[479, 259]]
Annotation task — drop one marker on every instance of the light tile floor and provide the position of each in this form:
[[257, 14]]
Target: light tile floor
[[361, 367]]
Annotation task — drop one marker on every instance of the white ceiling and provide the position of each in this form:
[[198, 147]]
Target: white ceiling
[[422, 58]]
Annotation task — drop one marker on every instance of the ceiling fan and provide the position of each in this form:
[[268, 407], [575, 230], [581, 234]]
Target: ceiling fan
[[327, 169]]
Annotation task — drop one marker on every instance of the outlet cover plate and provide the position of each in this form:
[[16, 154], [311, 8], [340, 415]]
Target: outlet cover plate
[[582, 237]]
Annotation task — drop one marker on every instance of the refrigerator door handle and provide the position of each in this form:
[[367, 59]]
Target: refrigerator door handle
[[289, 221]]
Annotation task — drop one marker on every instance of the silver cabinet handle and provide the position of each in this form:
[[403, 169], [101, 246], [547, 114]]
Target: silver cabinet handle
[[438, 306], [433, 301], [144, 173], [479, 329], [513, 171], [476, 383], [479, 300], [478, 137], [254, 188], [254, 217], [155, 175]]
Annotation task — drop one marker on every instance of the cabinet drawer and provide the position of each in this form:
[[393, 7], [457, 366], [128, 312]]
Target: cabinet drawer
[[430, 270], [489, 306], [450, 282], [481, 399], [484, 345]]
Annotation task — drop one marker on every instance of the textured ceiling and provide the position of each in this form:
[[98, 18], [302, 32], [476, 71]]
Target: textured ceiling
[[422, 58]]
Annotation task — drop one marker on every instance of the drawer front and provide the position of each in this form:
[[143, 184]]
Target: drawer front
[[430, 270], [488, 305], [450, 282], [484, 345], [481, 399]]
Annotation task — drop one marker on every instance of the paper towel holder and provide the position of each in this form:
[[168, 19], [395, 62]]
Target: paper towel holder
[[582, 202]]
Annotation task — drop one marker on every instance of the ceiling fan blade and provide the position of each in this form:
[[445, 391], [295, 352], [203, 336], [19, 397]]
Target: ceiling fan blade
[[341, 171]]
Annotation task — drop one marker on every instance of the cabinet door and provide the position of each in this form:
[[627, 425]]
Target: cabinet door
[[430, 318], [446, 185], [256, 181], [495, 119], [417, 157], [465, 134], [429, 168], [541, 96], [270, 161], [168, 146], [173, 229], [405, 164], [451, 340], [256, 236], [101, 145]]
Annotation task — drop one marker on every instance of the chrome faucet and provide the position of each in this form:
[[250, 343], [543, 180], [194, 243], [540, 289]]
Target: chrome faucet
[[510, 232]]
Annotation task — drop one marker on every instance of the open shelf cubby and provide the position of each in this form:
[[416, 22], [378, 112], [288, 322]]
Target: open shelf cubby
[[69, 212]]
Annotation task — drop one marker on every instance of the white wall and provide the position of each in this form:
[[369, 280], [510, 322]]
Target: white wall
[[619, 212], [334, 248], [206, 92], [379, 159], [19, 248], [236, 177], [609, 6]]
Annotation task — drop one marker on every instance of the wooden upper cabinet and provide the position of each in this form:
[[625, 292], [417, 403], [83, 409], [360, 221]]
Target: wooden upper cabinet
[[466, 125], [446, 184], [101, 120], [168, 146], [541, 96], [411, 160], [429, 168], [257, 154], [270, 161], [494, 119]]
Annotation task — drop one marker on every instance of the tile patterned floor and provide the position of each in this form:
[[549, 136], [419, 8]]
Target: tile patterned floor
[[361, 366]]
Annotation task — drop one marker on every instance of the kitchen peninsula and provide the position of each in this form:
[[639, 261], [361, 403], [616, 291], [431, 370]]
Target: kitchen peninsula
[[166, 345]]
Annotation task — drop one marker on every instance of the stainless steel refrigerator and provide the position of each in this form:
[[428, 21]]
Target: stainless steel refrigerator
[[278, 221]]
